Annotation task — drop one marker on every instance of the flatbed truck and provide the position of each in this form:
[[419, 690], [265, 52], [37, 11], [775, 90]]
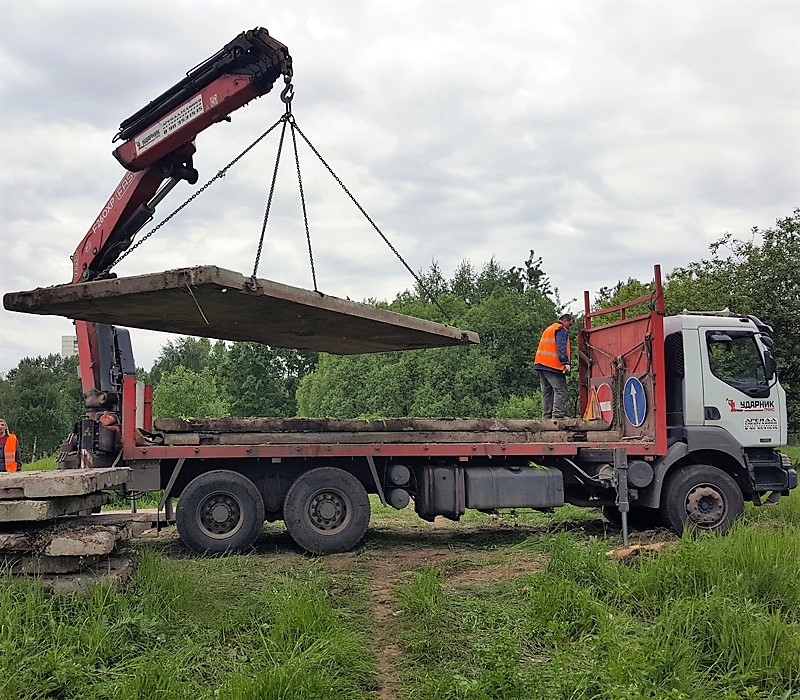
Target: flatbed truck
[[685, 414], [689, 418]]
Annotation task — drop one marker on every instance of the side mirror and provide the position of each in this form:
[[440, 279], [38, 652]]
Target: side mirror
[[769, 366]]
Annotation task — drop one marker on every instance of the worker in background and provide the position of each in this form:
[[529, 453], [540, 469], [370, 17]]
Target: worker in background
[[12, 462], [552, 362]]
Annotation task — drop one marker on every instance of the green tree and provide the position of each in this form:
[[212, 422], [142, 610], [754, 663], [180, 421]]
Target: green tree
[[262, 381], [759, 275], [335, 389], [508, 308], [423, 383], [191, 353], [184, 393], [42, 399]]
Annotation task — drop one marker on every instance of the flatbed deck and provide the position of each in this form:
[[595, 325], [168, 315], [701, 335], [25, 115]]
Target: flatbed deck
[[298, 431]]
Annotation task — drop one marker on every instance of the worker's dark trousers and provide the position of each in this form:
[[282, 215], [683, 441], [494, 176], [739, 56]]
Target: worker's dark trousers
[[554, 393]]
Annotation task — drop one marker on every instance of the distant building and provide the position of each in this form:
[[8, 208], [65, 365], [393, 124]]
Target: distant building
[[69, 345], [3, 375]]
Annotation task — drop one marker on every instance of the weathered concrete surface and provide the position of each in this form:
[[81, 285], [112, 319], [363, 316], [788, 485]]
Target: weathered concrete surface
[[134, 523], [60, 482], [276, 431], [83, 544], [341, 425], [16, 542], [30, 510], [386, 438], [71, 554], [39, 565], [82, 535], [216, 303], [111, 571]]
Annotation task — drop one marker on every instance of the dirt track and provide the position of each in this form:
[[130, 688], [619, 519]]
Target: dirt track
[[465, 553]]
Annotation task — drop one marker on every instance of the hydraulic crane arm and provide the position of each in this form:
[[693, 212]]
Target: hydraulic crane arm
[[242, 70], [158, 145], [158, 140]]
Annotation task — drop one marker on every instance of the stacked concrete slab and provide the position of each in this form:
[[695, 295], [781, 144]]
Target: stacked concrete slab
[[38, 496], [40, 534], [72, 553], [276, 431]]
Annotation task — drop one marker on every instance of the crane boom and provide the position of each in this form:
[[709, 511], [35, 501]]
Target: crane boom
[[157, 145], [158, 140]]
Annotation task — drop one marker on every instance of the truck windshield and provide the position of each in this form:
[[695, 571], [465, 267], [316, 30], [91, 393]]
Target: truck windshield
[[735, 359]]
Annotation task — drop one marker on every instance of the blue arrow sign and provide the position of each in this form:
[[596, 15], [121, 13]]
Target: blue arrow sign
[[635, 402]]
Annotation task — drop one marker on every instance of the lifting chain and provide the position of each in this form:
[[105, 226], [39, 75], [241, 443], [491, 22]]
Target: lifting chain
[[416, 277], [287, 95], [220, 174]]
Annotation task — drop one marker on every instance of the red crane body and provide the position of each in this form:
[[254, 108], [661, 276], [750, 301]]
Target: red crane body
[[157, 146]]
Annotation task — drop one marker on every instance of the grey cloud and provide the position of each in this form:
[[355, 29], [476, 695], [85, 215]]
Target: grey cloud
[[607, 136]]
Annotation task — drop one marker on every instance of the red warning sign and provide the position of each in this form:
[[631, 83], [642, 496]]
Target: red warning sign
[[604, 398], [592, 411]]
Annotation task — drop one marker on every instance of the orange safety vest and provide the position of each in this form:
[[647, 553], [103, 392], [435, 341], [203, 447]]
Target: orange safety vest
[[10, 453], [547, 352]]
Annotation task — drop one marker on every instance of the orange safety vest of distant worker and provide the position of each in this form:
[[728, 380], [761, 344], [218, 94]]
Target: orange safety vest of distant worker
[[10, 452], [547, 352]]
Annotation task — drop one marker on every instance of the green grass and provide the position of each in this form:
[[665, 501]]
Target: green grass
[[45, 463], [794, 452], [228, 627], [711, 617], [707, 617]]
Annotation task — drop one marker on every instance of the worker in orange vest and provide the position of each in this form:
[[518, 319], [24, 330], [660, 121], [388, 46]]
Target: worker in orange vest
[[12, 462], [552, 362]]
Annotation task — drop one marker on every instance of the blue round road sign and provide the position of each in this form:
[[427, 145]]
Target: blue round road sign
[[635, 402]]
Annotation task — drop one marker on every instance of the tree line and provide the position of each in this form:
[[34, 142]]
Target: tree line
[[195, 377]]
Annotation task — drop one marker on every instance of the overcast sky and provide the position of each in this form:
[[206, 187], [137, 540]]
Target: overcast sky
[[607, 135]]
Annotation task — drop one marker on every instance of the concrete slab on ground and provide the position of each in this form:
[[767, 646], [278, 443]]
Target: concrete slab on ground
[[60, 482], [35, 510], [78, 535], [39, 565], [216, 303], [112, 571]]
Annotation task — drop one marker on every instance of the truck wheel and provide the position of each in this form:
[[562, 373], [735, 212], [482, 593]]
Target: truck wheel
[[701, 497], [326, 510], [638, 518], [220, 511]]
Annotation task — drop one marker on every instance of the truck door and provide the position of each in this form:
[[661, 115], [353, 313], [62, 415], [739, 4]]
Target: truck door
[[740, 392]]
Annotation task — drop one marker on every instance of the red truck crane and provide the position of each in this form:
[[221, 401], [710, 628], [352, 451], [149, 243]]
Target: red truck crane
[[157, 150], [687, 412]]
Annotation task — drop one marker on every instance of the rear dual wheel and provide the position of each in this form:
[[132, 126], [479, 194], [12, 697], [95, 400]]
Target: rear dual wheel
[[326, 510], [220, 511]]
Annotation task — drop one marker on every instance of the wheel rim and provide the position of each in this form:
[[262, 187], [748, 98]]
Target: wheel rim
[[706, 506], [220, 515], [328, 511]]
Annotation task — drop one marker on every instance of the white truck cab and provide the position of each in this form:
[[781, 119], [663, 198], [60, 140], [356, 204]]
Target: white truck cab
[[725, 405], [729, 378]]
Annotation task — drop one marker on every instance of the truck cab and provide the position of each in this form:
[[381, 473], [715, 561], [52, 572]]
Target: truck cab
[[723, 393], [729, 381]]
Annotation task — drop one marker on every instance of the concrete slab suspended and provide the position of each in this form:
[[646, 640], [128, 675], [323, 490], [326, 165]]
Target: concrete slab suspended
[[216, 303]]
